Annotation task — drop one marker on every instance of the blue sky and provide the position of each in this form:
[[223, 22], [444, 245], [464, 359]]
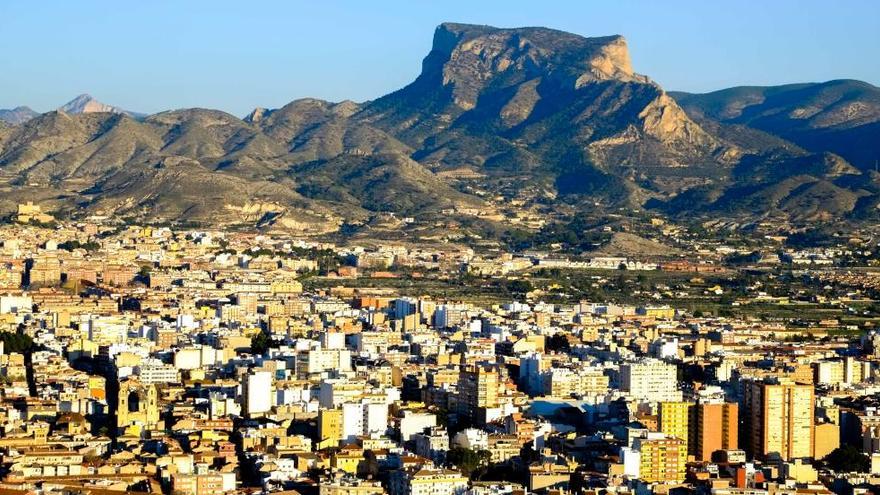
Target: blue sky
[[157, 55]]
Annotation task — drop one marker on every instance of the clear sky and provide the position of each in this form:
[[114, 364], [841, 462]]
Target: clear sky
[[155, 55]]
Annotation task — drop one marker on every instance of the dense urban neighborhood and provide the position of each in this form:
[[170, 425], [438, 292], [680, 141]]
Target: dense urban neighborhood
[[168, 360], [294, 260]]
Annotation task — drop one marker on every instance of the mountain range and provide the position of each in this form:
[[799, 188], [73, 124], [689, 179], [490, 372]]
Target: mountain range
[[83, 103], [498, 121]]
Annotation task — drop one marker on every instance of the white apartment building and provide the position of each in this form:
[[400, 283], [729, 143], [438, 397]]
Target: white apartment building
[[650, 380], [258, 392]]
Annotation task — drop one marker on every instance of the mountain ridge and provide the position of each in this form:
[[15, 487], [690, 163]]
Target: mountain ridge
[[550, 121], [83, 103], [840, 115], [86, 103]]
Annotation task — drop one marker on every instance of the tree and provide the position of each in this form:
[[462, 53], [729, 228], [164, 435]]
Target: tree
[[518, 286], [369, 467], [529, 455], [517, 239], [75, 244], [16, 342], [558, 342], [848, 459], [260, 343], [469, 461]]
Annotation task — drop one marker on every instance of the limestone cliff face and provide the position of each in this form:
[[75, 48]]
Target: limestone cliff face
[[474, 59], [664, 120], [611, 61], [540, 87]]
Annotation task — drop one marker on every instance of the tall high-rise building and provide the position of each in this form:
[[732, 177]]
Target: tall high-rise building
[[704, 427], [477, 389], [584, 381], [661, 458], [674, 419], [404, 307], [778, 418], [827, 439], [257, 392], [352, 421], [650, 380], [329, 427], [530, 368], [716, 427]]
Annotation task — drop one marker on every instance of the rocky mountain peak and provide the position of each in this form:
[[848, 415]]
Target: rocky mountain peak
[[470, 58], [85, 103], [257, 115]]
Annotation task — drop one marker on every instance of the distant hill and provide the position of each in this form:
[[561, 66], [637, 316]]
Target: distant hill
[[552, 122], [17, 115], [839, 116], [81, 104]]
